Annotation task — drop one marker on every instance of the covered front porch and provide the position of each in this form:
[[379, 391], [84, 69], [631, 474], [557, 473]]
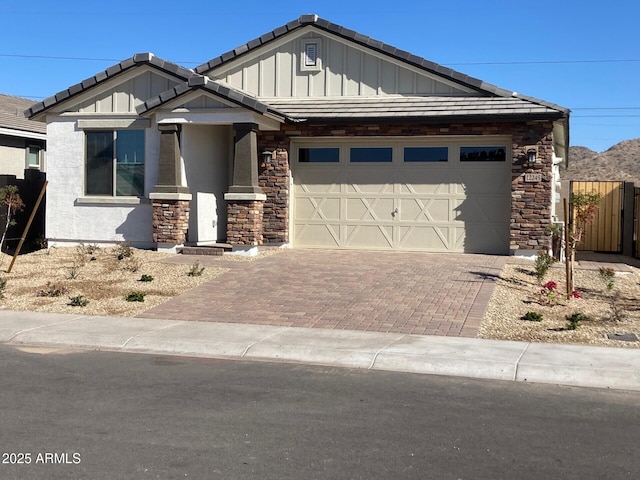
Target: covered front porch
[[208, 189]]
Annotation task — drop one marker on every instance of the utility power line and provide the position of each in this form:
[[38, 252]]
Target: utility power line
[[519, 62]]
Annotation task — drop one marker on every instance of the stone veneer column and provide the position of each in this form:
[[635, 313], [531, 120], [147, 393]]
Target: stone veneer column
[[170, 199], [244, 223], [245, 199]]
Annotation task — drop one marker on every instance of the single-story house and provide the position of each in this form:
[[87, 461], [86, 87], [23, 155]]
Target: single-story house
[[22, 141], [311, 135]]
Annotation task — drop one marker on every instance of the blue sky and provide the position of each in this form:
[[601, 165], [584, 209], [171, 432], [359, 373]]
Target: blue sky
[[581, 54]]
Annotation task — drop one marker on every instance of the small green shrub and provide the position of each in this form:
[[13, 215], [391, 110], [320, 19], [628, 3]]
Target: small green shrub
[[607, 275], [146, 278], [56, 289], [3, 285], [532, 317], [574, 320], [78, 301], [195, 270], [542, 265], [135, 296]]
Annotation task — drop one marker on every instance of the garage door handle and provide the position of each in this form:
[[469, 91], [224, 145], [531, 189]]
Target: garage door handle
[[394, 213]]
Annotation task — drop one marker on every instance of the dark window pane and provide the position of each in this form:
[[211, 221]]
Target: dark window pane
[[318, 155], [130, 146], [130, 162], [99, 173], [130, 179], [426, 154], [371, 154], [483, 154]]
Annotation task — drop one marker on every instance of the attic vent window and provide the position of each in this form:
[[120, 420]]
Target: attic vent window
[[311, 55]]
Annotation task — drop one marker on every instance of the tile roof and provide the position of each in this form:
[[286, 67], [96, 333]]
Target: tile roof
[[200, 82], [436, 107], [138, 59], [492, 100], [12, 115], [416, 61]]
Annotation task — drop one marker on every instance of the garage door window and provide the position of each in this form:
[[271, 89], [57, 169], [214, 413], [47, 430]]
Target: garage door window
[[319, 155], [371, 154], [426, 154], [483, 154]]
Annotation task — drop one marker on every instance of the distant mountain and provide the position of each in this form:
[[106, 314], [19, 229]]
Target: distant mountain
[[619, 163]]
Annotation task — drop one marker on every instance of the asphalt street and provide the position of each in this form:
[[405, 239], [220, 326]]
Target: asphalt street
[[76, 414]]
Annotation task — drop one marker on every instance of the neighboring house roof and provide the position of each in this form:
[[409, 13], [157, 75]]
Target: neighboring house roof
[[416, 61], [200, 82], [13, 119], [436, 108], [135, 61]]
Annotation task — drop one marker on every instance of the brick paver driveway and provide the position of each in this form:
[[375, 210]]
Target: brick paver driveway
[[433, 294]]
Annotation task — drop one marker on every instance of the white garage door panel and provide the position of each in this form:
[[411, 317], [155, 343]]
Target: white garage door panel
[[369, 209], [425, 209], [325, 235], [317, 208], [448, 206], [483, 239], [370, 236], [416, 237]]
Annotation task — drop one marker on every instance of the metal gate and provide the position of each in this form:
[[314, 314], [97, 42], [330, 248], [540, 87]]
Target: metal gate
[[604, 234]]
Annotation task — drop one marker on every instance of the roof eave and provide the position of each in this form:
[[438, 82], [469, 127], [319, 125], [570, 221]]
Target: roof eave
[[199, 82], [38, 110], [432, 120]]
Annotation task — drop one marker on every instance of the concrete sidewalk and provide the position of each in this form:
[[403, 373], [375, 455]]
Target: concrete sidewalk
[[492, 359]]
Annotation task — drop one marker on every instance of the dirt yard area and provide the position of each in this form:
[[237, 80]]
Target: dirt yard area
[[63, 279]]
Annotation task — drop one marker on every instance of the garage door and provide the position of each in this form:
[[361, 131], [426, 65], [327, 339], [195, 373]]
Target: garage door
[[439, 197]]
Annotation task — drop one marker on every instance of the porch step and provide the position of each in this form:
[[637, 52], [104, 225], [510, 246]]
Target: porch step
[[216, 249]]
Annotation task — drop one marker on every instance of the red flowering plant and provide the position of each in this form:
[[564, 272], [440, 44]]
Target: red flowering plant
[[549, 294]]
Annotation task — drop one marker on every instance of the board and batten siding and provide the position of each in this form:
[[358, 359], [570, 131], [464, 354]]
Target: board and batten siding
[[347, 70], [126, 96]]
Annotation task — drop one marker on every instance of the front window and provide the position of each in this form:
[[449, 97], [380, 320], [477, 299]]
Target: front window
[[115, 163]]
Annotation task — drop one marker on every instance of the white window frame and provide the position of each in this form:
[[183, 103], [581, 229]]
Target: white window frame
[[305, 64], [39, 155]]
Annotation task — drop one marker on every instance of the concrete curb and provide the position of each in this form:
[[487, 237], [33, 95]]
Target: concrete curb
[[587, 366]]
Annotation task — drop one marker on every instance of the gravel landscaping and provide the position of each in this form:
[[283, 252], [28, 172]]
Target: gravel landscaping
[[48, 280], [518, 292], [62, 279]]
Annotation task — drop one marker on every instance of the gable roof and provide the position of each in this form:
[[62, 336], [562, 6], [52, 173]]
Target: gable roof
[[137, 60], [201, 82], [375, 45], [12, 116]]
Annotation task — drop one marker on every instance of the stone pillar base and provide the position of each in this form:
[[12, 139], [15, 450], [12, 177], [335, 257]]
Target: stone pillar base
[[170, 223], [244, 221]]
